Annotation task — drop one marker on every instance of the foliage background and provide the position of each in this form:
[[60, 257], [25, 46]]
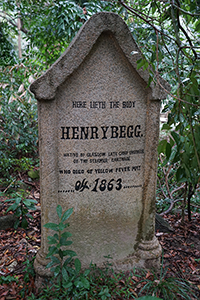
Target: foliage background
[[33, 34]]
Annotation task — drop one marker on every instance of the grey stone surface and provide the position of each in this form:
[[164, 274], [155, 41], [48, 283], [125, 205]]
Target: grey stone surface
[[7, 221], [98, 134]]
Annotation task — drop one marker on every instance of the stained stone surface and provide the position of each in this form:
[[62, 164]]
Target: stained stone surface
[[98, 134]]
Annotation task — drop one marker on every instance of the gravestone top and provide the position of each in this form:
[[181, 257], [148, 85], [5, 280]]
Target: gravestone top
[[98, 136], [45, 87]]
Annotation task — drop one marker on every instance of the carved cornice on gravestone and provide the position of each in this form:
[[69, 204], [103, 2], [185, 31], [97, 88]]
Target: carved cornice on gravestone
[[45, 87]]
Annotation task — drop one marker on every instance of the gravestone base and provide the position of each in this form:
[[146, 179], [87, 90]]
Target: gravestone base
[[42, 273], [146, 256], [149, 253]]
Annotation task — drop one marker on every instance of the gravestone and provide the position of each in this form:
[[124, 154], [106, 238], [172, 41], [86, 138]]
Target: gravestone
[[98, 135]]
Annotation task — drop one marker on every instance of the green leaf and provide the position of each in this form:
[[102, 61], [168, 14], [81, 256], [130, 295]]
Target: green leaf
[[176, 137], [61, 226], [141, 62], [55, 260], [67, 214], [78, 284], [12, 207], [77, 264], [197, 26], [65, 274], [33, 174], [29, 202], [87, 272], [50, 264], [60, 253], [85, 282], [67, 285], [168, 150], [166, 127], [52, 250], [52, 226], [59, 211], [64, 242], [66, 262], [69, 252], [51, 240], [66, 234], [56, 236], [180, 175], [171, 142], [24, 223], [16, 224], [57, 271], [161, 146]]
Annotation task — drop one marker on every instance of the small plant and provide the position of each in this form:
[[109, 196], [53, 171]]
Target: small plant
[[166, 287], [29, 275], [21, 207], [66, 270]]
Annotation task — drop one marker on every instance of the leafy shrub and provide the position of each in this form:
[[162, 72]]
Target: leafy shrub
[[18, 122], [21, 206]]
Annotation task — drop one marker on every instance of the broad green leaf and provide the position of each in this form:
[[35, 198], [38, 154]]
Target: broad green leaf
[[16, 224], [87, 272], [66, 234], [60, 253], [85, 282], [64, 242], [65, 274], [61, 226], [161, 146], [55, 260], [185, 158], [67, 214], [78, 284], [66, 262], [29, 202], [168, 150], [12, 207], [69, 252], [171, 142], [67, 285], [52, 226], [56, 236], [24, 223], [77, 264], [180, 175], [50, 264], [166, 127], [16, 200], [57, 271], [176, 137], [51, 240], [59, 211], [141, 62], [52, 250]]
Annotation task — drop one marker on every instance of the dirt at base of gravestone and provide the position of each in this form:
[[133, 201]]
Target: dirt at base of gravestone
[[181, 252]]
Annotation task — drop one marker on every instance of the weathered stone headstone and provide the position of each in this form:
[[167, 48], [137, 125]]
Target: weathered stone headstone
[[98, 134]]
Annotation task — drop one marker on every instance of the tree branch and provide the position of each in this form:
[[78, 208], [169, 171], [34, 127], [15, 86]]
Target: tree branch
[[170, 207], [145, 20], [11, 20], [185, 33], [185, 11]]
